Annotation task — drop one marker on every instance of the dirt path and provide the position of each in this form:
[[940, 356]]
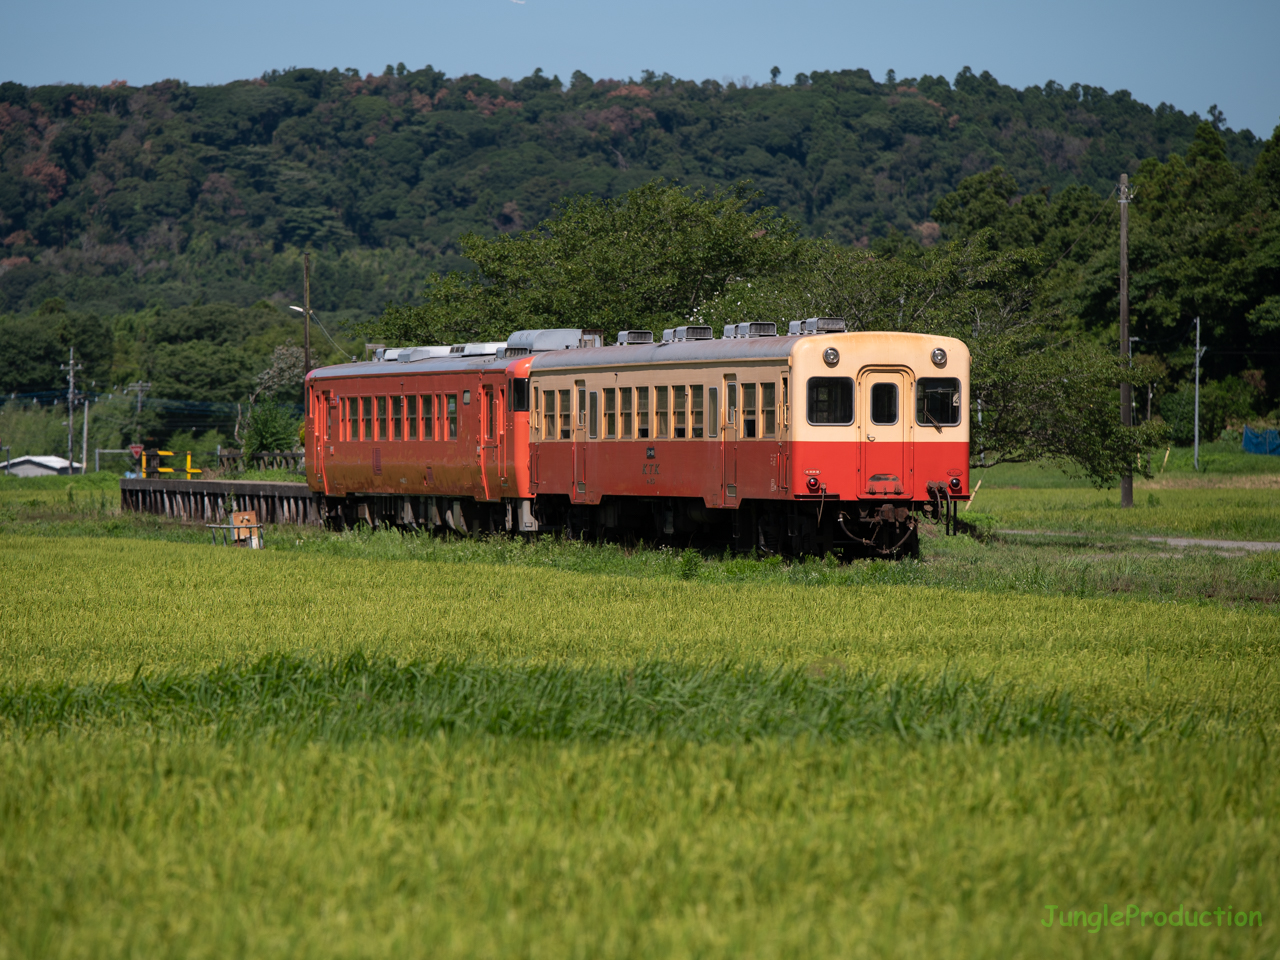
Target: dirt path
[[1248, 546]]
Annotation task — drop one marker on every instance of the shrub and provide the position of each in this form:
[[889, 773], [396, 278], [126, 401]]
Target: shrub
[[270, 426], [1229, 400]]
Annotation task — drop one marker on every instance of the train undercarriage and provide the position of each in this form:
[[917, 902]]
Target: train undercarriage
[[794, 529]]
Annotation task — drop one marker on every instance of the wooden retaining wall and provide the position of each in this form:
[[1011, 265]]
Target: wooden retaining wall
[[205, 501]]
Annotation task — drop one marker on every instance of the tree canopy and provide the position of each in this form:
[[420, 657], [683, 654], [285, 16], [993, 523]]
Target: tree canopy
[[1204, 242], [116, 198]]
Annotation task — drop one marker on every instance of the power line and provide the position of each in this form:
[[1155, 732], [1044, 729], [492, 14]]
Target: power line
[[1105, 207]]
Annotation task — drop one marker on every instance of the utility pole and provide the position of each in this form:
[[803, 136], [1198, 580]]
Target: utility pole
[[1199, 352], [1126, 389], [84, 443], [306, 313], [140, 388], [71, 367]]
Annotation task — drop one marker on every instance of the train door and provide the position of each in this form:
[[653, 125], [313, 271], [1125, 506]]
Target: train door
[[579, 493], [491, 434], [322, 416], [503, 432], [729, 442], [883, 418]]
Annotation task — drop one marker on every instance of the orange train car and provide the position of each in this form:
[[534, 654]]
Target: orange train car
[[817, 441]]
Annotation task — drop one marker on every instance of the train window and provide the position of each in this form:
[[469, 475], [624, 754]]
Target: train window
[[411, 418], [662, 411], [397, 418], [731, 402], [680, 404], [352, 405], [382, 417], [520, 394], [582, 404], [786, 405], [428, 417], [366, 409], [549, 414], [769, 408], [610, 413], [937, 401], [328, 417], [535, 420], [624, 413], [830, 401], [593, 420], [466, 398], [884, 403], [713, 411], [748, 410], [695, 411], [491, 414], [642, 413], [451, 415], [566, 427]]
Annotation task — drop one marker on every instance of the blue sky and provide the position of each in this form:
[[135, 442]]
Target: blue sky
[[1190, 55]]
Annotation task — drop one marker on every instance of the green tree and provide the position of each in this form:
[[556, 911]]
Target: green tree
[[651, 258], [1041, 392]]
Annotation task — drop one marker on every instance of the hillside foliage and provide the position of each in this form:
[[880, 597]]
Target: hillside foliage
[[120, 197]]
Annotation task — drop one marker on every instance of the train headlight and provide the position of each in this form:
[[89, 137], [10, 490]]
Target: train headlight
[[831, 356], [939, 357], [813, 484], [955, 484]]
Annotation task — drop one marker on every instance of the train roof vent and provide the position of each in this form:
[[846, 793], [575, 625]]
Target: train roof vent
[[458, 348], [693, 332], [387, 353], [510, 352], [730, 331], [668, 335], [817, 325], [483, 349], [540, 341], [757, 329], [410, 354], [634, 336]]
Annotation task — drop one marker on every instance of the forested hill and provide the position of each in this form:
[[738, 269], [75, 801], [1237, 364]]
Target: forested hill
[[114, 198]]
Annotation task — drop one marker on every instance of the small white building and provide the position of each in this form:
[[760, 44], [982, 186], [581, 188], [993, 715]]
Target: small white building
[[39, 467]]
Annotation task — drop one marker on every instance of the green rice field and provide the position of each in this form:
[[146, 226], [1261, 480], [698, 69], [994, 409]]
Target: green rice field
[[369, 744], [363, 747]]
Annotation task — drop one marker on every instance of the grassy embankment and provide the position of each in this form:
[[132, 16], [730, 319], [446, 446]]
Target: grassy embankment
[[1234, 496], [1103, 559], [546, 763]]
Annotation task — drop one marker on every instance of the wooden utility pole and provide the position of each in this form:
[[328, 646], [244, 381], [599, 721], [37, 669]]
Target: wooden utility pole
[[1126, 389], [306, 313], [84, 447], [71, 367]]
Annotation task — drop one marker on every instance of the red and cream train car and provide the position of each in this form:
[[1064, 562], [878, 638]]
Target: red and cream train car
[[794, 444]]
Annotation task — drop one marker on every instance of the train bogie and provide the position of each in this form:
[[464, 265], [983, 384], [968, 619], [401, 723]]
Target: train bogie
[[808, 443]]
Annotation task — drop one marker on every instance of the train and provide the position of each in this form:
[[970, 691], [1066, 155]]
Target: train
[[815, 441]]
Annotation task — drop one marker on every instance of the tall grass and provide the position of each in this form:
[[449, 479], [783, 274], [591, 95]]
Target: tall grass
[[115, 845], [329, 753], [93, 610], [357, 699]]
